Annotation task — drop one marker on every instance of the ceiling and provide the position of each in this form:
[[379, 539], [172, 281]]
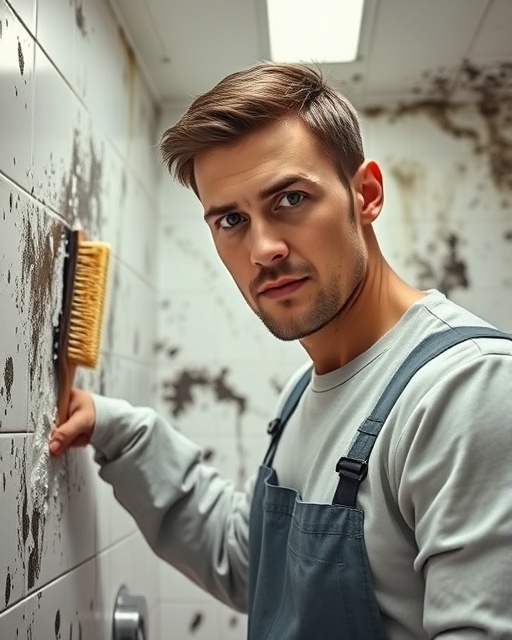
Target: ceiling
[[407, 46]]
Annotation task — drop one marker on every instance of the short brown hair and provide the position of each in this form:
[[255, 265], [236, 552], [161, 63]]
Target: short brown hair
[[247, 100]]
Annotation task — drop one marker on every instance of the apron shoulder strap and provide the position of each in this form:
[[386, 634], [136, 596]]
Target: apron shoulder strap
[[352, 469], [276, 427]]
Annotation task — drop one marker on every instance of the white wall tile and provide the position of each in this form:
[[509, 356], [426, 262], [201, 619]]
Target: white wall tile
[[128, 563], [137, 244], [62, 522], [54, 107], [13, 558], [233, 624], [16, 104], [13, 622], [26, 12], [130, 324], [66, 608], [29, 253], [56, 27], [198, 621], [145, 569], [14, 355], [101, 71]]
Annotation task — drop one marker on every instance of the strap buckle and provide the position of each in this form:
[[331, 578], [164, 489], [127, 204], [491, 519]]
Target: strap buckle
[[352, 468], [273, 426]]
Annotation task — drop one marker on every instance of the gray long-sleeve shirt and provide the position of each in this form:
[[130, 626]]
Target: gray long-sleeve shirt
[[437, 499]]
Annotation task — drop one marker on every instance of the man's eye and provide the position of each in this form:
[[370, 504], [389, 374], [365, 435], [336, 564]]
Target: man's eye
[[291, 199], [230, 220]]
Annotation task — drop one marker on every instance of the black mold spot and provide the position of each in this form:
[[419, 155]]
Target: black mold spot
[[8, 588], [508, 236], [455, 273], [81, 189], [80, 19], [25, 520], [8, 377], [180, 396], [34, 561], [102, 383], [21, 60], [208, 454], [57, 623], [37, 277], [233, 621], [452, 273], [10, 202], [196, 622]]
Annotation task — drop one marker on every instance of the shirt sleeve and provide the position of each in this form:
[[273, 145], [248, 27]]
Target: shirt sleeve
[[454, 476], [191, 517]]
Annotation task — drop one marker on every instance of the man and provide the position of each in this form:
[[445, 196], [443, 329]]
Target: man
[[275, 157]]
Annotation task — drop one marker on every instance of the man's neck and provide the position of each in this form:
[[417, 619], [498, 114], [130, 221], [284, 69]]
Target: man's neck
[[380, 302]]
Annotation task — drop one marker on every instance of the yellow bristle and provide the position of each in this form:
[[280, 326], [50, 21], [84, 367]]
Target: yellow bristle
[[88, 304]]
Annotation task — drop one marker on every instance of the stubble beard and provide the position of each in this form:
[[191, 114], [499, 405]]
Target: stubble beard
[[330, 303]]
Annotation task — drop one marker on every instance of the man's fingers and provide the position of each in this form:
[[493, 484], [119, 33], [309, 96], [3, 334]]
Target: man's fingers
[[68, 433]]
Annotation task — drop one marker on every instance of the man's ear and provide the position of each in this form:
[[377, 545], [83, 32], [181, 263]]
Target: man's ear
[[369, 191]]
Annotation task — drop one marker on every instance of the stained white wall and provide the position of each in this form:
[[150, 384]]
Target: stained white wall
[[77, 129], [446, 223]]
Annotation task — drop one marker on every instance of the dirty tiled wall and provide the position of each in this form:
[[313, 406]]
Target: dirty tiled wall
[[446, 223], [77, 129]]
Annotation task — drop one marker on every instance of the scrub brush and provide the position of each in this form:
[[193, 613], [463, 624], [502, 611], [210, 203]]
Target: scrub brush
[[77, 337]]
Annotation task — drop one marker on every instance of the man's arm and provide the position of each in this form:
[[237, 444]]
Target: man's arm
[[191, 517], [454, 476]]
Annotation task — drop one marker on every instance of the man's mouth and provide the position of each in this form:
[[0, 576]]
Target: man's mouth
[[281, 287]]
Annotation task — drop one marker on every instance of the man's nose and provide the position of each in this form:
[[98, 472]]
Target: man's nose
[[267, 244]]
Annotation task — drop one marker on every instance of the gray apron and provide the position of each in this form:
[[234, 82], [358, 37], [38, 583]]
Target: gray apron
[[309, 574]]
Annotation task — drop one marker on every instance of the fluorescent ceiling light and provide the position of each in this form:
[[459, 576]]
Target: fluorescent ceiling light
[[314, 30]]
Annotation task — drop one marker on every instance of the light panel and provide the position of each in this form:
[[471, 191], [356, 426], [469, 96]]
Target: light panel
[[314, 30]]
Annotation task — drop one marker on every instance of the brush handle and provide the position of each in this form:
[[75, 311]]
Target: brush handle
[[65, 367], [66, 375]]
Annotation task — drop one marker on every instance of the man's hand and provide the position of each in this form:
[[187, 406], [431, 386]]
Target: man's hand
[[77, 430]]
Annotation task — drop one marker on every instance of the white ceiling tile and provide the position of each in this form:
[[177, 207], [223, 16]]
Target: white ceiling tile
[[419, 29], [495, 34], [206, 41]]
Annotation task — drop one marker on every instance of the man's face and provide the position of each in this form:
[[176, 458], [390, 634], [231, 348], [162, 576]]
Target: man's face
[[285, 227]]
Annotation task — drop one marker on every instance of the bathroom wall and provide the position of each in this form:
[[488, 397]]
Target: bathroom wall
[[446, 223], [77, 129]]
